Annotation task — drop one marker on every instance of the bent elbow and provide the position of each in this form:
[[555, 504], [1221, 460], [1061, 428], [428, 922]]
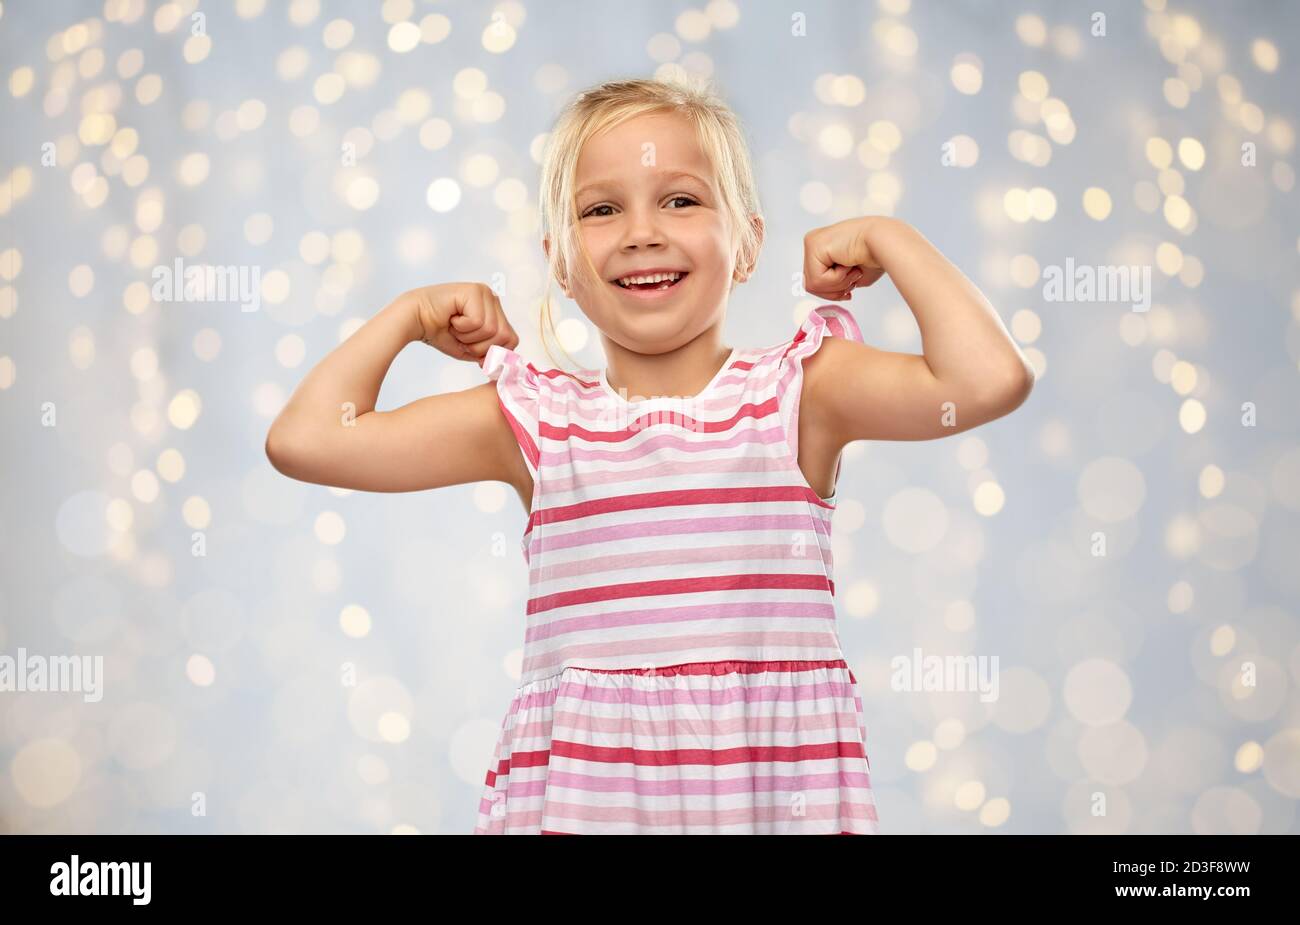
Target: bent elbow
[[1009, 396], [1025, 384], [1015, 392], [274, 451], [279, 449]]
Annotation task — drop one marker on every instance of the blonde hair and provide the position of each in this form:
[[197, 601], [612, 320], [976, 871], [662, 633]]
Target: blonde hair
[[601, 108]]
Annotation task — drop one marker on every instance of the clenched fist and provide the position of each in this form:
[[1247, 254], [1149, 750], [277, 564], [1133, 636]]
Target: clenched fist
[[460, 319], [837, 260]]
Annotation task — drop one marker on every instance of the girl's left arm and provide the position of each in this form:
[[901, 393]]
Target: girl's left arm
[[971, 371]]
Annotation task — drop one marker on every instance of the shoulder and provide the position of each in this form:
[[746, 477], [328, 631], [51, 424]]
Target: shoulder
[[824, 321], [506, 366], [512, 368], [828, 343], [812, 361], [797, 354]]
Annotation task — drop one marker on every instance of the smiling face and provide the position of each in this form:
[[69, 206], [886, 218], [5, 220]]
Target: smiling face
[[647, 200]]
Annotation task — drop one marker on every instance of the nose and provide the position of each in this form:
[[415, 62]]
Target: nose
[[642, 228]]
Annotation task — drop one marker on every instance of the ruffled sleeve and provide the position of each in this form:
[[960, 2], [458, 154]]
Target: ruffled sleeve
[[829, 320], [518, 393]]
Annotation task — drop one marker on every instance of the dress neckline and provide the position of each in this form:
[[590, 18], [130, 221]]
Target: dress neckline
[[608, 389]]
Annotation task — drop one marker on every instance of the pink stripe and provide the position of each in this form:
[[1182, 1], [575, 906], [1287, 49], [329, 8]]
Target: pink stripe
[[708, 757], [747, 410], [706, 818], [522, 437], [658, 558], [689, 786], [650, 500], [713, 696], [613, 532], [762, 581], [857, 816], [842, 722], [557, 485]]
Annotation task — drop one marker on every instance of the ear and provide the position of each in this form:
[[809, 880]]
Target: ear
[[546, 249], [743, 272], [759, 228]]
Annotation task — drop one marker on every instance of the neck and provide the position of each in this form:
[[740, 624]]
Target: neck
[[683, 372]]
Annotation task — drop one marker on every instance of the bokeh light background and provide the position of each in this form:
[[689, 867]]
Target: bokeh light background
[[318, 660]]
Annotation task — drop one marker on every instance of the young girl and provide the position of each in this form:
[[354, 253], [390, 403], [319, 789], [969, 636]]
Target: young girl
[[682, 671]]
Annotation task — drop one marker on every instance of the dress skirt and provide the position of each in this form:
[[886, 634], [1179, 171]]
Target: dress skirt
[[729, 747]]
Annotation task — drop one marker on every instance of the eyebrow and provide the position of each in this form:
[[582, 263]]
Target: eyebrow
[[662, 176]]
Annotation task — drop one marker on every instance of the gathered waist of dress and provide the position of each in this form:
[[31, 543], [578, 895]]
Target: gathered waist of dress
[[722, 667]]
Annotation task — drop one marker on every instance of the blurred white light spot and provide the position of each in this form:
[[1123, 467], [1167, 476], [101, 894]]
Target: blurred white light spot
[[995, 812], [355, 621], [498, 36], [403, 37], [363, 192], [861, 599], [1282, 762], [572, 334], [443, 194], [184, 408], [394, 727], [989, 498], [1191, 416], [377, 707], [969, 796], [920, 756], [330, 528], [258, 228], [200, 670], [81, 280]]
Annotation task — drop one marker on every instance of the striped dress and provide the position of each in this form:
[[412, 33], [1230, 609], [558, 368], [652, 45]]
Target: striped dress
[[682, 673]]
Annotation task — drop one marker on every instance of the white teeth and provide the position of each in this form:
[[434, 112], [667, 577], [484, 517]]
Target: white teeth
[[656, 278]]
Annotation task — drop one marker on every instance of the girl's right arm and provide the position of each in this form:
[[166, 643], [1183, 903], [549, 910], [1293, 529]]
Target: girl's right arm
[[329, 432]]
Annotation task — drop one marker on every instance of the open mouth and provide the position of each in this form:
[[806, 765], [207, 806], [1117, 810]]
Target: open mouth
[[658, 285]]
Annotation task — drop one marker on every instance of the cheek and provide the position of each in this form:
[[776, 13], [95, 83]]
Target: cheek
[[706, 243], [597, 244]]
